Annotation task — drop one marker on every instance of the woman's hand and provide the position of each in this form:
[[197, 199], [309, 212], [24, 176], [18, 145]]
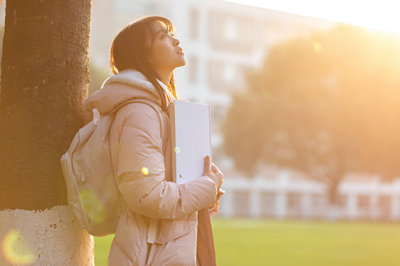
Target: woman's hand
[[211, 170], [216, 175], [213, 209]]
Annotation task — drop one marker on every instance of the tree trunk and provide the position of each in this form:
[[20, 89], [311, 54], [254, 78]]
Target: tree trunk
[[43, 85]]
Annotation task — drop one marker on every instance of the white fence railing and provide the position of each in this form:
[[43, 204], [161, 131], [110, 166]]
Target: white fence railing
[[285, 196]]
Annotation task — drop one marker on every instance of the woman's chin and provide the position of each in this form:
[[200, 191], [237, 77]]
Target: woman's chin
[[182, 62]]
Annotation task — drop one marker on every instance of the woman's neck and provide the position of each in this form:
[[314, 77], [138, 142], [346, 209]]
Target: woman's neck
[[165, 77]]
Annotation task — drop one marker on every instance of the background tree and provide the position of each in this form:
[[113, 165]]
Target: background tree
[[326, 105], [43, 84], [97, 75]]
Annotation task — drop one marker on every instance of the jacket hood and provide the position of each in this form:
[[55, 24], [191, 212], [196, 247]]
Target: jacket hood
[[121, 87]]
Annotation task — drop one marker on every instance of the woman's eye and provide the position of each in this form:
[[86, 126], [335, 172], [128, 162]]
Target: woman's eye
[[167, 34]]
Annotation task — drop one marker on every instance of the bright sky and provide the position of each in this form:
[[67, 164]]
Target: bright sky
[[372, 14]]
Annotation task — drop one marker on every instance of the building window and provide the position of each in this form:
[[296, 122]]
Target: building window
[[230, 30], [193, 69], [230, 73], [363, 203], [319, 204], [294, 204], [226, 77], [268, 202], [194, 23], [218, 113], [232, 33], [384, 205], [241, 202]]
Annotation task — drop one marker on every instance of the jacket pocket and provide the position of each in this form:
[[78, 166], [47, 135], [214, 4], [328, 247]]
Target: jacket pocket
[[129, 238], [119, 257], [173, 229]]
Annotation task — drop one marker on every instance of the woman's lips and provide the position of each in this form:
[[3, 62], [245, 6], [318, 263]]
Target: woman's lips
[[180, 51]]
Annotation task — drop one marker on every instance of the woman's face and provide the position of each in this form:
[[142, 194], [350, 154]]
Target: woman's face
[[166, 54]]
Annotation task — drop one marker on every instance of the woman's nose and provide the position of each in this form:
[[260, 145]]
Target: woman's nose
[[176, 41]]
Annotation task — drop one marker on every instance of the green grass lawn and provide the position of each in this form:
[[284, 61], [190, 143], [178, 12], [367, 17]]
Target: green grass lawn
[[299, 243]]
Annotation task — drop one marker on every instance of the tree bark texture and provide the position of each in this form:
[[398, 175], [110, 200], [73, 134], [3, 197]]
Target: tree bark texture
[[44, 82], [48, 237]]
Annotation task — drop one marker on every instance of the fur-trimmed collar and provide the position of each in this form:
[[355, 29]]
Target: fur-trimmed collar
[[121, 87]]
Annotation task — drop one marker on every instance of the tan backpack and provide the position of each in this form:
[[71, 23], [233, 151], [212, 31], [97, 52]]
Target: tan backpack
[[93, 195]]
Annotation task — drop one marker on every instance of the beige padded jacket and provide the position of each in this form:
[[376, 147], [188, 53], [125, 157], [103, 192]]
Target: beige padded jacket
[[136, 144]]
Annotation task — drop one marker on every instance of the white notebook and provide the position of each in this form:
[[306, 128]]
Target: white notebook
[[190, 139]]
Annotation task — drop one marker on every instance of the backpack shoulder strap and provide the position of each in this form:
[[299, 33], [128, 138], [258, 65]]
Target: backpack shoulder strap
[[156, 107]]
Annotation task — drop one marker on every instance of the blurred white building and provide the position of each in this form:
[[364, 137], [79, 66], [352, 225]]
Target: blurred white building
[[221, 41]]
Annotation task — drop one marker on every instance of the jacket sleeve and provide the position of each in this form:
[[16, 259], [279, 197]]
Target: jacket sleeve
[[140, 173]]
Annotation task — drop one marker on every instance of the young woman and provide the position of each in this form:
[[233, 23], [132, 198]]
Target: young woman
[[143, 57]]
